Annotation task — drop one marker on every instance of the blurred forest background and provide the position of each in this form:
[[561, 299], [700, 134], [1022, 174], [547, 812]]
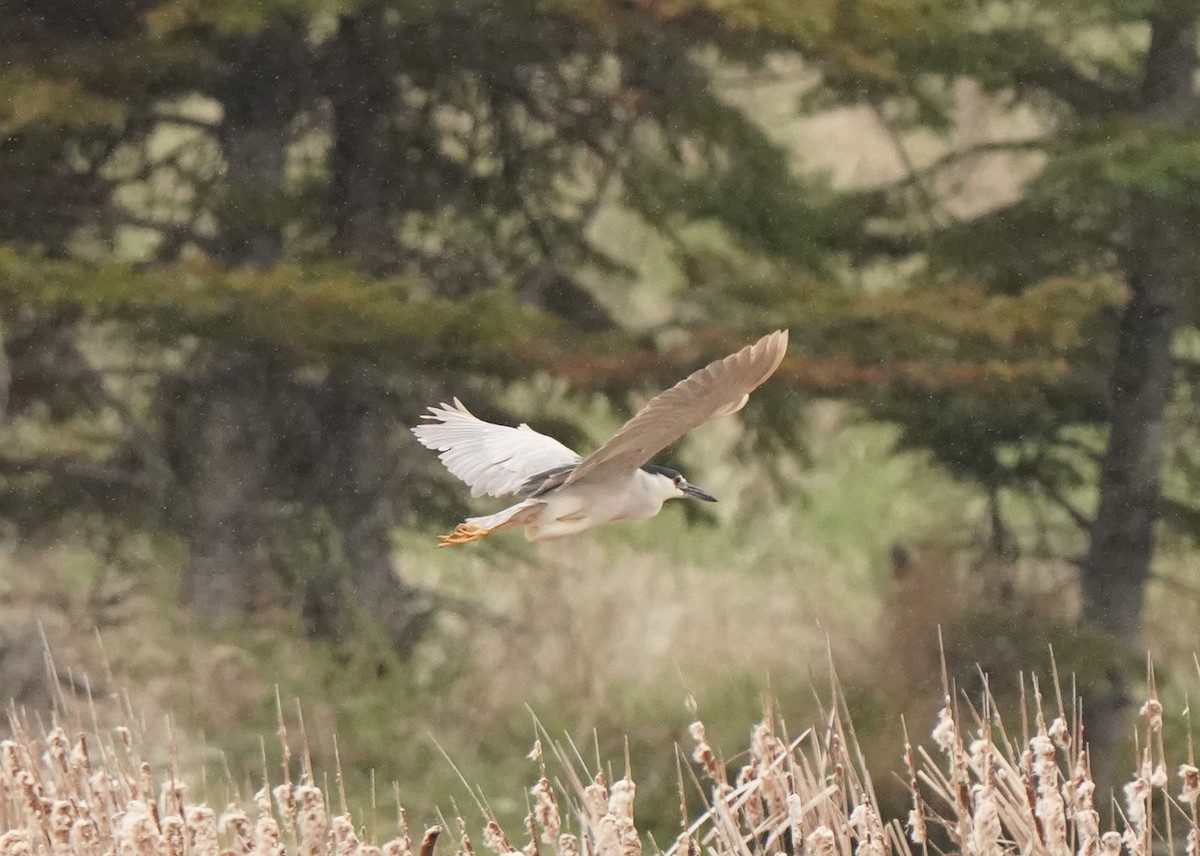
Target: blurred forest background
[[244, 244]]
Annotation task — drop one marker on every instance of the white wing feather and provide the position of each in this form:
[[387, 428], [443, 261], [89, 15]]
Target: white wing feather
[[492, 459]]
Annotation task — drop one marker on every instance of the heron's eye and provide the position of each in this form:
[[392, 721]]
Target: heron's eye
[[678, 480]]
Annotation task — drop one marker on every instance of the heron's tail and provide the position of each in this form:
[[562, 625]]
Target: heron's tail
[[476, 528]]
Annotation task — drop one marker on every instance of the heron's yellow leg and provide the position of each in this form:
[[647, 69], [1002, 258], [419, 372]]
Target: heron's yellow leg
[[464, 533]]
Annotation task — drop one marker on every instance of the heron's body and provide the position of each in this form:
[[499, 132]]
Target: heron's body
[[574, 508], [564, 494]]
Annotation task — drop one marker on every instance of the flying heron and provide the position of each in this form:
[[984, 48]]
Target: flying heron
[[562, 493]]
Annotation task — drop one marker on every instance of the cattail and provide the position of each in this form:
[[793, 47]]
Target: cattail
[[685, 845], [822, 842], [58, 751], [1137, 798], [864, 820], [703, 753], [795, 816], [1137, 806], [312, 822], [765, 747], [620, 801], [1060, 733], [15, 842], [31, 793], [1153, 711], [171, 796], [568, 845], [85, 837], [285, 798], [945, 733], [1110, 843], [985, 824], [595, 799], [345, 840], [607, 834], [401, 845], [531, 846], [545, 810], [464, 840], [1193, 842], [201, 824], [752, 804], [1045, 768], [61, 819], [236, 823], [429, 840], [1191, 784], [266, 837], [174, 833], [1087, 819], [138, 834], [916, 827], [495, 839], [1050, 811]]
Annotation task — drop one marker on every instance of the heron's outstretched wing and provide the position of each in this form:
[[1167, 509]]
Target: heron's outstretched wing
[[492, 459], [718, 389]]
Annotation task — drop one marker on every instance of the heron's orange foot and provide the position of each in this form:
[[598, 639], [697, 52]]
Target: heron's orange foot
[[464, 533]]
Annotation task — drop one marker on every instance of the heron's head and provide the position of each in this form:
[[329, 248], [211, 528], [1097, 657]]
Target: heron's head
[[675, 485]]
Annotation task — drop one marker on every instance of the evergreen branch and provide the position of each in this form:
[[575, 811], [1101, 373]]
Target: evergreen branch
[[186, 122], [958, 156], [1056, 496]]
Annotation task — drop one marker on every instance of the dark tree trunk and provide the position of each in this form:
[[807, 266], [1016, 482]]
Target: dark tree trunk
[[362, 467], [222, 446], [363, 164], [363, 197], [1160, 268], [260, 91]]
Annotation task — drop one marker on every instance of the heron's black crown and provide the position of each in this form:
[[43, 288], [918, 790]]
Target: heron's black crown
[[662, 471]]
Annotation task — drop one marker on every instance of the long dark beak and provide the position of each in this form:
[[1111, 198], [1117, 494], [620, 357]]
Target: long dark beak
[[693, 491]]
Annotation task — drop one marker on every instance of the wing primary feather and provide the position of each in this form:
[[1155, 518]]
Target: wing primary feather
[[720, 388], [491, 459]]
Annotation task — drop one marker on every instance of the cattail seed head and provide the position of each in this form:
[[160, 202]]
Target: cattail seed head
[[138, 834], [345, 840], [235, 823], [822, 842], [266, 837], [285, 798], [201, 824], [312, 820], [595, 799], [1153, 711], [496, 840], [1190, 776], [545, 810], [945, 733], [15, 842], [620, 800], [174, 833]]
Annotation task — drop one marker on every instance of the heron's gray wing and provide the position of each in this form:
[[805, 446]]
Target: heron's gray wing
[[492, 459], [718, 389]]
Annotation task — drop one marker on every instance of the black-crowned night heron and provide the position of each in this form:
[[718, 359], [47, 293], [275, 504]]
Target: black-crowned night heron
[[563, 494]]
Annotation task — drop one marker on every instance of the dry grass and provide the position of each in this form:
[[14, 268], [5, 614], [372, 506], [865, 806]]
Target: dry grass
[[982, 787]]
